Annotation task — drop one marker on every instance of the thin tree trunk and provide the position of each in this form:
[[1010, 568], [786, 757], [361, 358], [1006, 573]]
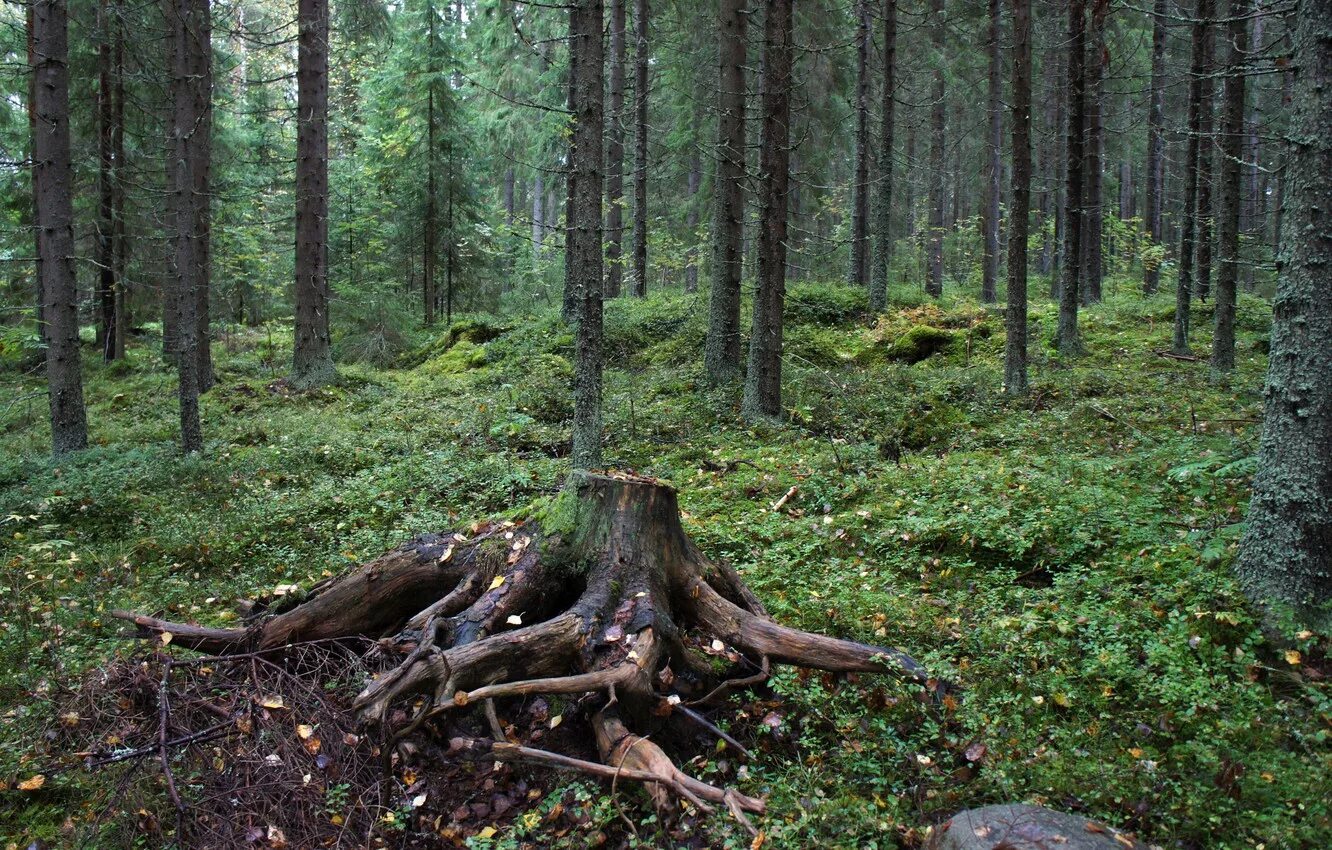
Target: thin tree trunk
[[1059, 142], [1068, 339], [1198, 64], [1230, 185], [572, 305], [120, 242], [312, 357], [538, 217], [1202, 261], [431, 241], [1286, 552], [695, 180], [883, 201], [584, 246], [54, 207], [449, 241], [934, 276], [1015, 319], [201, 148], [1093, 223], [1151, 270], [993, 165], [187, 22], [615, 155], [722, 347], [763, 380], [106, 179], [858, 272], [640, 145]]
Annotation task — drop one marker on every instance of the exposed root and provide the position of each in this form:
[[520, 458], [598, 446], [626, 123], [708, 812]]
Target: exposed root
[[605, 600]]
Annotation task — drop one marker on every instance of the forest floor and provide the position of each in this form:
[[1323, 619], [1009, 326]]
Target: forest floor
[[1064, 559]]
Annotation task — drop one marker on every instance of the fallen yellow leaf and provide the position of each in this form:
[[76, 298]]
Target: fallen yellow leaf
[[165, 638], [304, 730], [32, 784], [488, 832], [496, 582], [1293, 657], [273, 701]]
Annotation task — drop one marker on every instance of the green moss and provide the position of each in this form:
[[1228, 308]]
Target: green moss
[[462, 356], [918, 343]]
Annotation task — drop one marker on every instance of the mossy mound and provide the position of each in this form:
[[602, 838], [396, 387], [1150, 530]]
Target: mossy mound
[[473, 331], [919, 343]]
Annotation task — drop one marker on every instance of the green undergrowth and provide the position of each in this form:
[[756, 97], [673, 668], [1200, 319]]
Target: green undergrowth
[[1063, 559]]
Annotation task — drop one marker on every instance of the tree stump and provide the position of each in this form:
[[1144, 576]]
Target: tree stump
[[600, 591]]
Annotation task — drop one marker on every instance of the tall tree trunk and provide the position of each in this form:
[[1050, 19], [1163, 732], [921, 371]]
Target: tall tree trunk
[[858, 272], [1059, 92], [430, 242], [1093, 223], [883, 201], [312, 357], [763, 380], [572, 305], [1015, 319], [640, 145], [584, 247], [1155, 201], [1286, 553], [615, 155], [188, 96], [106, 180], [695, 181], [1068, 339], [993, 165], [201, 148], [39, 293], [449, 241], [120, 241], [1230, 187], [1202, 260], [54, 207], [722, 348], [938, 198], [1198, 67], [538, 216]]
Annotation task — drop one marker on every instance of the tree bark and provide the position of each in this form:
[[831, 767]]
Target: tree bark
[[1155, 200], [1068, 340], [993, 164], [312, 357], [883, 200], [1202, 261], [615, 155], [585, 248], [858, 272], [1230, 186], [54, 207], [1285, 555], [640, 146], [695, 180], [201, 149], [763, 380], [722, 347], [938, 196], [1189, 230], [1093, 210], [106, 180], [1015, 319], [430, 242], [191, 50]]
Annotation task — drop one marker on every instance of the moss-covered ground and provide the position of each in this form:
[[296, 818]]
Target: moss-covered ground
[[1065, 558]]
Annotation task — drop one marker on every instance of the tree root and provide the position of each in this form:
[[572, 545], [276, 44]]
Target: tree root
[[594, 597]]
